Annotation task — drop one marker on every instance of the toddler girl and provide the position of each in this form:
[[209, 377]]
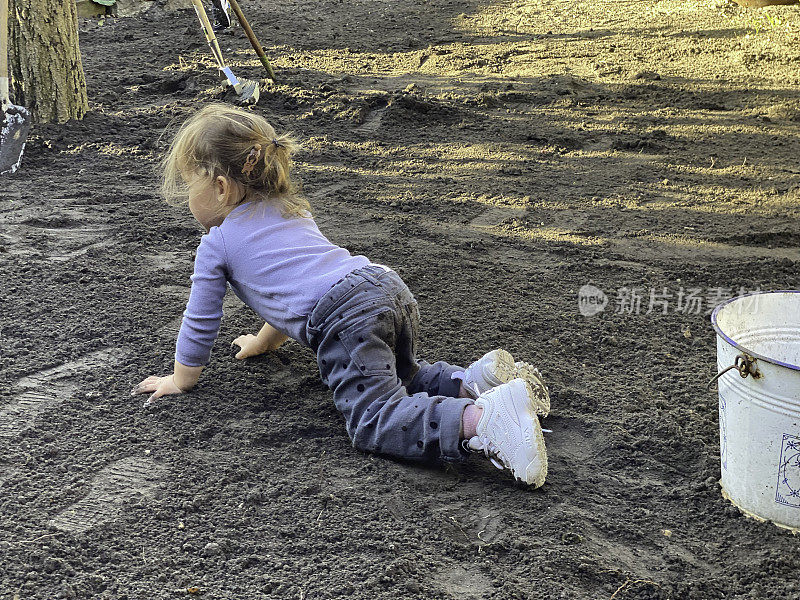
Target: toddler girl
[[358, 317]]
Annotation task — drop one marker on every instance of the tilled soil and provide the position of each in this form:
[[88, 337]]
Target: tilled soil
[[500, 156]]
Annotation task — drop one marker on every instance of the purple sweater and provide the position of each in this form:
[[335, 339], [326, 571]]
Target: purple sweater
[[279, 267]]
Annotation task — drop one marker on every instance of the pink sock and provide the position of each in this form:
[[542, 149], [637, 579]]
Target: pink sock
[[469, 421]]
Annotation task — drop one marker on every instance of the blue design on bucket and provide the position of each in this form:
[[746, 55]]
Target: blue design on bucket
[[788, 491], [723, 432]]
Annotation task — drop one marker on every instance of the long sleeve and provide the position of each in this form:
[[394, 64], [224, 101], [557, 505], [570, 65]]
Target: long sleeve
[[203, 313], [280, 267]]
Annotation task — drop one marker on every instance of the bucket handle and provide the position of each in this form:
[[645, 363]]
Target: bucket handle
[[744, 363]]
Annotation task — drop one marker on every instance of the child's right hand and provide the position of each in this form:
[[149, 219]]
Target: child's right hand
[[157, 386], [181, 381]]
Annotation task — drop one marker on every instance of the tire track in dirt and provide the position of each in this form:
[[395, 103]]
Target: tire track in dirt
[[46, 389], [82, 250], [457, 582], [61, 236], [114, 486], [71, 369], [22, 240]]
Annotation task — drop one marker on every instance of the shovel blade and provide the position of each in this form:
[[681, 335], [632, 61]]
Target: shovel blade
[[13, 135]]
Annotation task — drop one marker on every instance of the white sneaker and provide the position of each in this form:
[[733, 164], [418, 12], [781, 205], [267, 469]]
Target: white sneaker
[[498, 367], [509, 432]]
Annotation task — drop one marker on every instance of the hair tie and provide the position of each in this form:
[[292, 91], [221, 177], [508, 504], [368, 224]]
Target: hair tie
[[252, 160], [277, 145]]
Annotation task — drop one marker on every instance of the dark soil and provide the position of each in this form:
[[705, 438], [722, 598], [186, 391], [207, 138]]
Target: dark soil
[[500, 156]]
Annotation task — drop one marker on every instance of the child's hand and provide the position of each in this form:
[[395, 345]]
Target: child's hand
[[267, 340], [250, 345], [157, 387]]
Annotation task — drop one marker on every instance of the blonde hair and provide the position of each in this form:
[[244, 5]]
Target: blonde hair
[[239, 145]]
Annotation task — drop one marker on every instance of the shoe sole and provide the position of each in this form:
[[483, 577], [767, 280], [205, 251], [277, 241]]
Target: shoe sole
[[541, 395], [536, 470], [501, 369]]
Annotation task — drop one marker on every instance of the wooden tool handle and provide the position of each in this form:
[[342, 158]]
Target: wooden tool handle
[[4, 39], [252, 37], [208, 31]]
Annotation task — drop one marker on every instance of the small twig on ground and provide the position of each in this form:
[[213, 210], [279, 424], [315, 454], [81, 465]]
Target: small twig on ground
[[631, 582], [620, 588], [453, 519]]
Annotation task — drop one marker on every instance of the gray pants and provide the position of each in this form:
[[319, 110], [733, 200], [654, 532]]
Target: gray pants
[[364, 331]]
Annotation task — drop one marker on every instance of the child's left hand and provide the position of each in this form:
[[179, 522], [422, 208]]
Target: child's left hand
[[267, 340], [157, 387]]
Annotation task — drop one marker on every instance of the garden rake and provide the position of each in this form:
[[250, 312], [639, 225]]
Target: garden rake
[[248, 91]]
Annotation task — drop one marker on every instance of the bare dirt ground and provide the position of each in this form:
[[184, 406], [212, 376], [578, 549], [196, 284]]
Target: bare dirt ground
[[500, 155]]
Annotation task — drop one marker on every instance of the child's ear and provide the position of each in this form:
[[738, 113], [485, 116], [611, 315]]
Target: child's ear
[[227, 190], [222, 186]]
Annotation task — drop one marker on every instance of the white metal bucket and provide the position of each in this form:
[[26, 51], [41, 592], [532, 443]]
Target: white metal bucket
[[758, 365]]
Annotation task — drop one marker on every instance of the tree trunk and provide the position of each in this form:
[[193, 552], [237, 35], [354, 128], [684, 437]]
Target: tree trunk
[[45, 59]]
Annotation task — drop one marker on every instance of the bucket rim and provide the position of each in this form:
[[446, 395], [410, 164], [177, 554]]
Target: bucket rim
[[738, 346]]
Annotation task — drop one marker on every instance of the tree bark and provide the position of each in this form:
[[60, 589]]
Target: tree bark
[[45, 59]]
